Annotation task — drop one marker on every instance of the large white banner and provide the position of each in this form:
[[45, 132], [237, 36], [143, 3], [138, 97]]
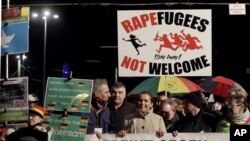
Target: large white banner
[[166, 137], [164, 42]]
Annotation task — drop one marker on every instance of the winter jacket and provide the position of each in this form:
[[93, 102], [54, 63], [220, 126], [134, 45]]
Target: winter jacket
[[202, 122]]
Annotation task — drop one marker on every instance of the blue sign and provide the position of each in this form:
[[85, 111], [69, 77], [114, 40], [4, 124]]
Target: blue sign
[[15, 36]]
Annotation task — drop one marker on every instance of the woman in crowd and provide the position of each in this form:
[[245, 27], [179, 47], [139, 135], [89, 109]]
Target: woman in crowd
[[238, 113], [144, 120]]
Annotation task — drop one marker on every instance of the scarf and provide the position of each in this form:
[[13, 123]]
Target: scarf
[[239, 119], [98, 104]]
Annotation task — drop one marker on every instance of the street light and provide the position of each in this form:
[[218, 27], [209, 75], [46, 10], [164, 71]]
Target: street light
[[19, 61], [46, 15]]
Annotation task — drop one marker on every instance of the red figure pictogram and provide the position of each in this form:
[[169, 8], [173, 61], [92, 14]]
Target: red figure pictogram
[[165, 40], [191, 42], [184, 41], [178, 40]]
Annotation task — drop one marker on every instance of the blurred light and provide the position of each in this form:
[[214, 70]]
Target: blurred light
[[65, 70], [19, 63], [46, 13], [34, 15], [24, 57], [56, 16]]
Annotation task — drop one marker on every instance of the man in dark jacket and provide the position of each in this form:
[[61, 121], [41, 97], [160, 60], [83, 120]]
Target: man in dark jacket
[[196, 119], [119, 107], [99, 112]]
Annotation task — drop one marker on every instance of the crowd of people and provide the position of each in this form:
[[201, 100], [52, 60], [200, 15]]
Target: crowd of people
[[164, 114], [159, 114]]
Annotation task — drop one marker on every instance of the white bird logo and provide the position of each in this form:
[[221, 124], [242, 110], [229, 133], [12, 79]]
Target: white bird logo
[[6, 39]]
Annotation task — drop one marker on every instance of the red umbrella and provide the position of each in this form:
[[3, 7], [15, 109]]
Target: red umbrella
[[219, 85]]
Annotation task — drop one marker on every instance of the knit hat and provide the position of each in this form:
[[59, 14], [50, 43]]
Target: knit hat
[[39, 110], [194, 98]]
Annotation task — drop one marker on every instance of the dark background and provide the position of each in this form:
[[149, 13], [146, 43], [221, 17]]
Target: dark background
[[84, 26]]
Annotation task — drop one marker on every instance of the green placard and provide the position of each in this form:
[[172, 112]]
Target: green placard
[[14, 100], [71, 95], [69, 128], [14, 115]]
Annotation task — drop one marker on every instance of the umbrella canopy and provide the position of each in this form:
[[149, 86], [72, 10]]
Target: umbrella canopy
[[174, 84], [219, 86]]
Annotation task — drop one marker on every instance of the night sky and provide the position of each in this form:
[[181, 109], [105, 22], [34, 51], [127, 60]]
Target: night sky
[[82, 29]]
